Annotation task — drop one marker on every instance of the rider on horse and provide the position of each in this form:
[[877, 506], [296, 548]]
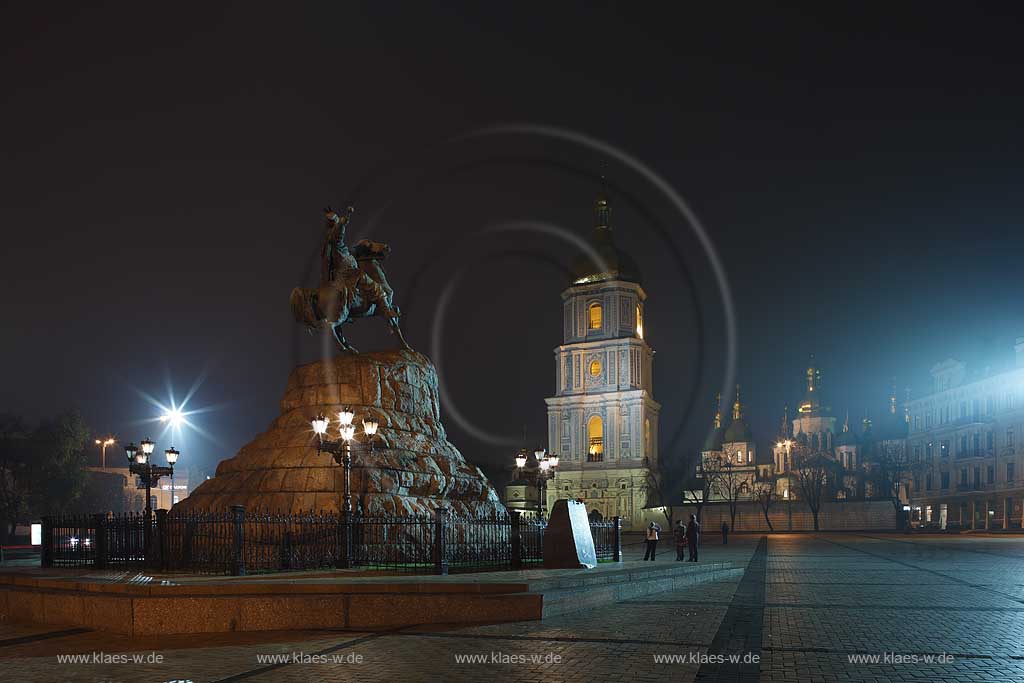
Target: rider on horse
[[352, 285], [340, 270]]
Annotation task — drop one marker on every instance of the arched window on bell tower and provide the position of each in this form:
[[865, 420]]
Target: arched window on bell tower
[[595, 319], [595, 439]]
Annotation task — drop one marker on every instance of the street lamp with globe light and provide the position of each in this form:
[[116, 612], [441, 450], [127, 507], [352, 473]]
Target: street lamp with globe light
[[341, 451], [103, 443], [547, 468], [141, 464]]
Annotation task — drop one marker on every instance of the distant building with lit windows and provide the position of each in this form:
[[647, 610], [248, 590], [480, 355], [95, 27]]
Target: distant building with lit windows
[[733, 448], [965, 461], [603, 419], [856, 454]]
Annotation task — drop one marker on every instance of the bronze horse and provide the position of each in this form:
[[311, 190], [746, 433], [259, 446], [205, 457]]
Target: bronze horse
[[359, 292]]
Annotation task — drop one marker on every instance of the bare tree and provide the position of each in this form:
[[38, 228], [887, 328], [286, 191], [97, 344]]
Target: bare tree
[[730, 485], [888, 468], [814, 473], [658, 492], [764, 491], [697, 488]]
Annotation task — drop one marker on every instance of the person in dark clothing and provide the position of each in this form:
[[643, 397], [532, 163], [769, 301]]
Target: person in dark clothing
[[680, 537], [693, 537], [652, 541], [725, 533]]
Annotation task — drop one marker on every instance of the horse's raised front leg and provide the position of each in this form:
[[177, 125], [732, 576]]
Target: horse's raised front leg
[[340, 338]]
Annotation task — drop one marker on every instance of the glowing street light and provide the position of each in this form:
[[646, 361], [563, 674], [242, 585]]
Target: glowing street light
[[103, 443], [521, 458], [341, 451], [547, 468], [150, 474], [174, 416]]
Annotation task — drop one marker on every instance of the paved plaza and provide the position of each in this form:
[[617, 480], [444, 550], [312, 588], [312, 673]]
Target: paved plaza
[[807, 608]]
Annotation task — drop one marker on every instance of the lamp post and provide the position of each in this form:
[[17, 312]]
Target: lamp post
[[787, 445], [103, 443], [141, 464], [172, 457], [547, 467], [341, 451]]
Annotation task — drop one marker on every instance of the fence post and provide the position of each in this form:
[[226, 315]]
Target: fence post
[[161, 538], [102, 554], [46, 552], [440, 551], [517, 541], [617, 540], [238, 544]]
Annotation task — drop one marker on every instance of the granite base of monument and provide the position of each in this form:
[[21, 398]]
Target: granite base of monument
[[568, 543], [414, 469]]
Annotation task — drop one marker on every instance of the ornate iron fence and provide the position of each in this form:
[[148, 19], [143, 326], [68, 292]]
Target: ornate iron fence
[[240, 542]]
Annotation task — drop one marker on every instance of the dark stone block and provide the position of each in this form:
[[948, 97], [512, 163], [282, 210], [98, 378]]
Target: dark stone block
[[568, 543]]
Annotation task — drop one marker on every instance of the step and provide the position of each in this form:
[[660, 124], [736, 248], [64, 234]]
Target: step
[[563, 596]]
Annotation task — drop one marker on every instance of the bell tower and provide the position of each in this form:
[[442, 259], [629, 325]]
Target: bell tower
[[603, 419]]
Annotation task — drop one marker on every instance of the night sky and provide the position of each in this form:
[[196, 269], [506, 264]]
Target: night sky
[[164, 173]]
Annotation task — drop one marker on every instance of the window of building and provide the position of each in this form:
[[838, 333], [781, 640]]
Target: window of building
[[945, 480], [977, 476], [648, 444], [928, 482], [917, 453], [944, 448], [928, 451], [595, 316], [963, 409], [1010, 474], [639, 322], [595, 439], [963, 476], [990, 440], [1009, 401], [595, 368], [991, 474], [977, 444], [989, 406], [1009, 437], [963, 446]]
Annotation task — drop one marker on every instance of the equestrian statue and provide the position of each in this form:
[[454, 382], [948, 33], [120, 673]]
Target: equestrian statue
[[352, 284]]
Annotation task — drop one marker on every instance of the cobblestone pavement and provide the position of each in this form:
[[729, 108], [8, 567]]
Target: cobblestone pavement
[[809, 607]]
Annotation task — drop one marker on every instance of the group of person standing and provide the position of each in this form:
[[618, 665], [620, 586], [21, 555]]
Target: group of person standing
[[687, 535]]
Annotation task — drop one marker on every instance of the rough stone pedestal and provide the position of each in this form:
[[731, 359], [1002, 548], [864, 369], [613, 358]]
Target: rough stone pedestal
[[414, 471]]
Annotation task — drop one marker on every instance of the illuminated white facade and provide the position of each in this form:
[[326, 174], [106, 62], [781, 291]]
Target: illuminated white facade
[[964, 447], [603, 419]]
